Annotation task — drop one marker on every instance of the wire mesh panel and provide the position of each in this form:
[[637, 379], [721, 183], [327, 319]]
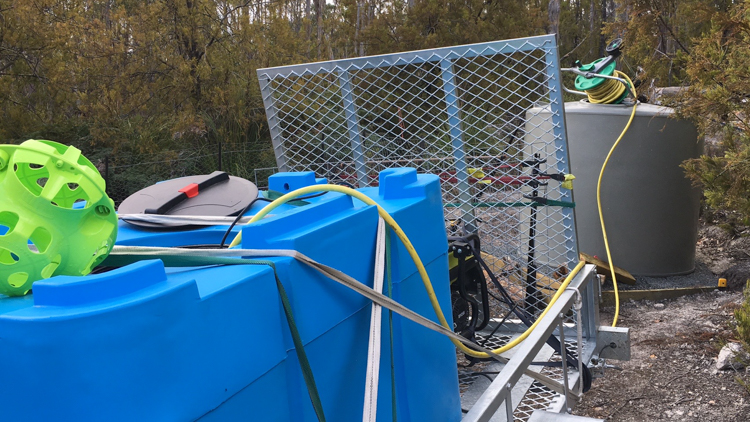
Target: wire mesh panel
[[470, 114]]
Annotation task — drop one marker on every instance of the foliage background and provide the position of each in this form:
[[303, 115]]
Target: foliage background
[[132, 82], [173, 82]]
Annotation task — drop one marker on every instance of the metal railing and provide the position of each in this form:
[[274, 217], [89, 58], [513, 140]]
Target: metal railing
[[500, 391]]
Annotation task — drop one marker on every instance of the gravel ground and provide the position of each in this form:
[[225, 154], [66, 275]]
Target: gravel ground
[[702, 276], [672, 373]]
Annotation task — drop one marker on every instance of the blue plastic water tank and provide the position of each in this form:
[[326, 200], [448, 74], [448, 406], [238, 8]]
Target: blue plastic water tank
[[145, 342]]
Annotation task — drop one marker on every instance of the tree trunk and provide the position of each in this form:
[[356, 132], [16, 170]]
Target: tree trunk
[[308, 19], [592, 25], [319, 5], [358, 27], [602, 40], [553, 11]]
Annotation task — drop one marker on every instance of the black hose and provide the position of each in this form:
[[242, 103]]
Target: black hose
[[247, 208]]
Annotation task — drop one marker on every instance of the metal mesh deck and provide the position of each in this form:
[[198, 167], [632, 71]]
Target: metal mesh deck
[[537, 396]]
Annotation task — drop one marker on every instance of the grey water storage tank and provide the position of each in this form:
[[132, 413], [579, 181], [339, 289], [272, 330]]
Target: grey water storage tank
[[650, 208]]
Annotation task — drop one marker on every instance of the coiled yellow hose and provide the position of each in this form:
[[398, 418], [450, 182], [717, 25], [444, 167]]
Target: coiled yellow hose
[[609, 91]]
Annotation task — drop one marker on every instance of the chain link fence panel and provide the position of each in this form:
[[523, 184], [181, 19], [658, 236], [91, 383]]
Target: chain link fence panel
[[469, 114]]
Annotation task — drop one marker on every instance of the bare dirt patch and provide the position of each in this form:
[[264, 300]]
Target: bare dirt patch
[[674, 344], [672, 373]]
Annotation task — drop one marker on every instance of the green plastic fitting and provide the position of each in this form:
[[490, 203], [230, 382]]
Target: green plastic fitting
[[583, 83]]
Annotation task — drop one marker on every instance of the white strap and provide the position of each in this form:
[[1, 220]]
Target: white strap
[[370, 409]]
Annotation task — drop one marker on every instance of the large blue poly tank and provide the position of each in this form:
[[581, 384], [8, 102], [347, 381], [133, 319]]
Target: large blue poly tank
[[145, 342]]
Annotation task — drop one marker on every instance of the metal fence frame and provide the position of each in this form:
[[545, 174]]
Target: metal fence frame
[[343, 84]]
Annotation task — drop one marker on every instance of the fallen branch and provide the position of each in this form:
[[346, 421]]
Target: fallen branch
[[683, 400]]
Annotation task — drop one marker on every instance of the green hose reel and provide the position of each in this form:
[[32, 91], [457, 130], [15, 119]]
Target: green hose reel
[[605, 66], [586, 84], [55, 217]]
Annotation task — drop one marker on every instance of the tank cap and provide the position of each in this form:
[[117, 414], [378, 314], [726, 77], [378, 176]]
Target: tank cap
[[217, 194]]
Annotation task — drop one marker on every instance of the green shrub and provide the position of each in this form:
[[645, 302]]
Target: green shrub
[[742, 315], [719, 76]]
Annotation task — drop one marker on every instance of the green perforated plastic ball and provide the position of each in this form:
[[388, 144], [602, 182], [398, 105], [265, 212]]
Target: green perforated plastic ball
[[55, 217]]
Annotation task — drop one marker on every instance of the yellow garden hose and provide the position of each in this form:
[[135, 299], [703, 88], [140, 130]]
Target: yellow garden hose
[[415, 257], [609, 92]]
